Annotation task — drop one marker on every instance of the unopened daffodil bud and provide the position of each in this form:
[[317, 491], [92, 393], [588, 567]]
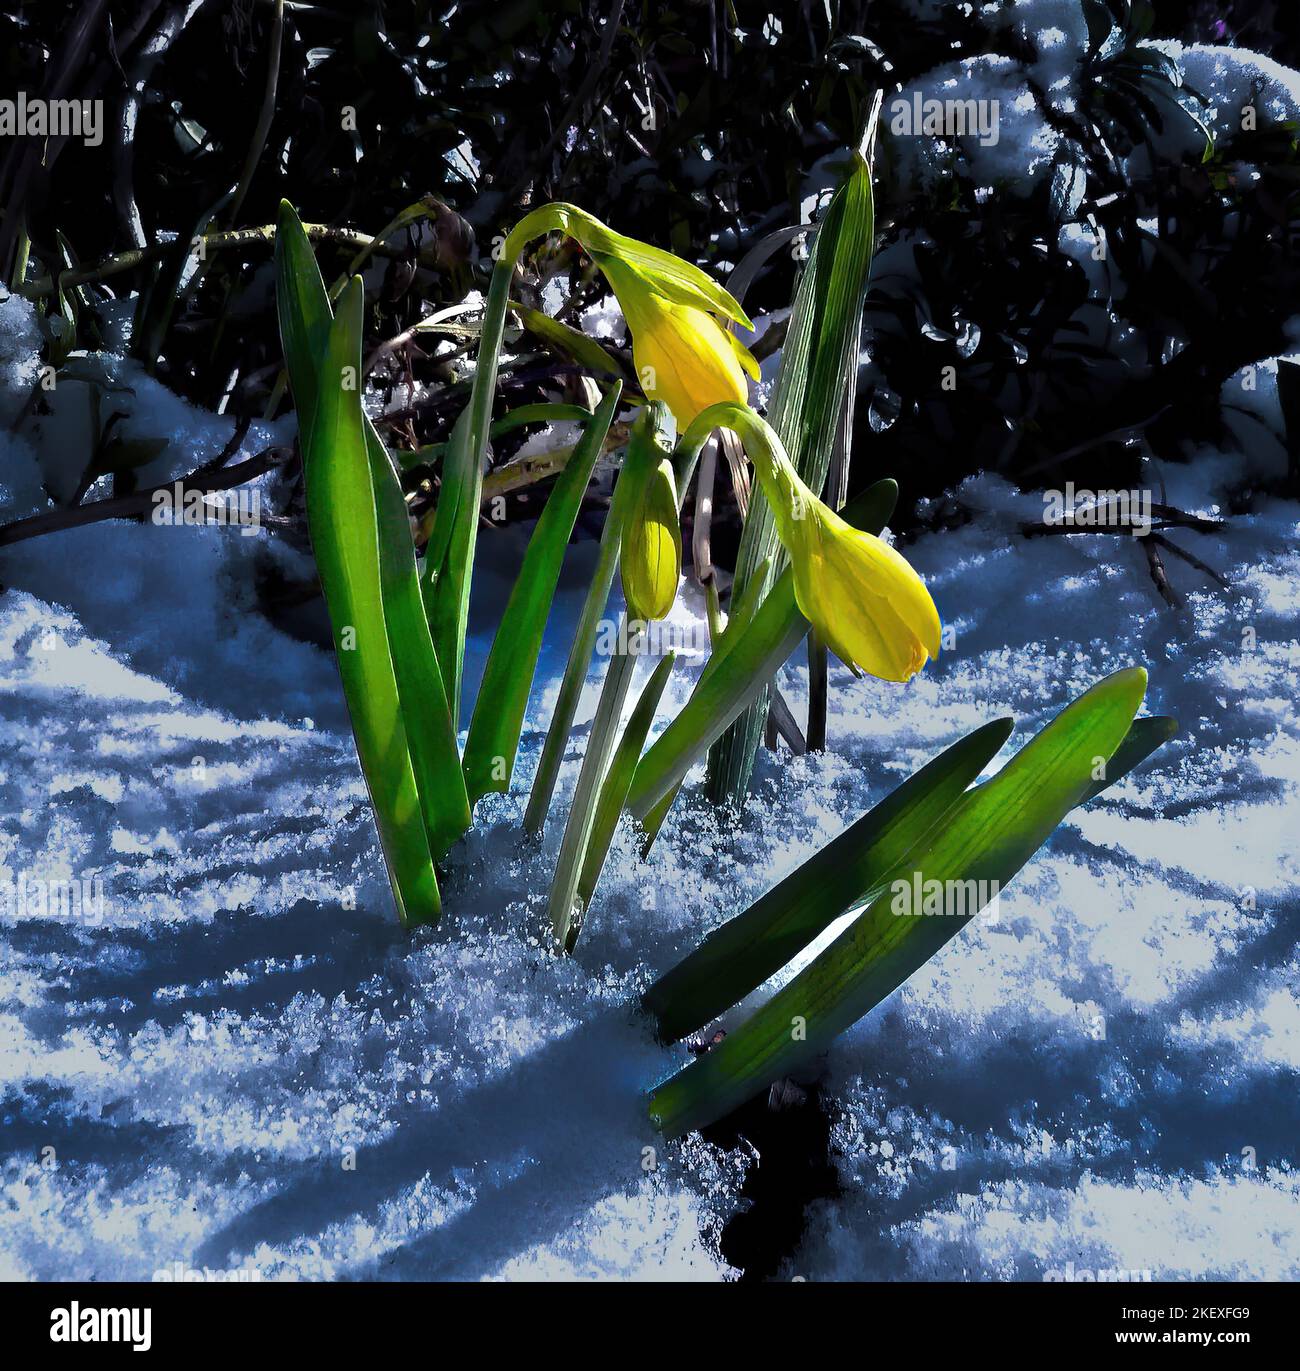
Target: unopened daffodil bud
[[645, 513], [650, 553]]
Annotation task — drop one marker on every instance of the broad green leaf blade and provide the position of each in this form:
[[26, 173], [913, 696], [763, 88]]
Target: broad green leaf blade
[[449, 557], [754, 945], [619, 776], [342, 520], [498, 717], [990, 835], [815, 381], [426, 711], [748, 663], [305, 314], [305, 320], [1143, 739]]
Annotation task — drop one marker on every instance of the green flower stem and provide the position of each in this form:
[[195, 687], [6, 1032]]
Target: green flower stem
[[449, 557], [564, 908], [618, 777], [784, 490]]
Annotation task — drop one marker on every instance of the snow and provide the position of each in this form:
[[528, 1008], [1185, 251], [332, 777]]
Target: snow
[[1020, 152], [240, 1063]]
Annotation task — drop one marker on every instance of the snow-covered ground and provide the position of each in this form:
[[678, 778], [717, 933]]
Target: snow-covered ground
[[233, 1059]]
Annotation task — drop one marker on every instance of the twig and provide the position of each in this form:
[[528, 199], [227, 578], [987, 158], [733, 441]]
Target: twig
[[155, 48], [258, 143], [578, 104], [1166, 516], [242, 425], [1191, 560], [1159, 575], [781, 718], [129, 506], [1124, 431], [262, 236], [818, 691]]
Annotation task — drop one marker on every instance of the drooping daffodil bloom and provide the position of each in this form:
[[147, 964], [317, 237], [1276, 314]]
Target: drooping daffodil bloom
[[864, 599], [683, 355], [871, 608], [683, 352], [873, 611]]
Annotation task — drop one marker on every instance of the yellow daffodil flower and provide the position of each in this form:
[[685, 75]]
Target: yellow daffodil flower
[[683, 355], [872, 610], [683, 352], [862, 596]]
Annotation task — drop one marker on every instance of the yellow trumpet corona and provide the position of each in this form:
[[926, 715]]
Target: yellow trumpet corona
[[862, 596]]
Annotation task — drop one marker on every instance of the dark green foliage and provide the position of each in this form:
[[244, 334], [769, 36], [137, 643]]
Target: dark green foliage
[[697, 138]]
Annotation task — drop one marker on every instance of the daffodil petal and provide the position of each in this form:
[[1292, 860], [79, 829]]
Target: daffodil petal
[[743, 355], [887, 573], [683, 357]]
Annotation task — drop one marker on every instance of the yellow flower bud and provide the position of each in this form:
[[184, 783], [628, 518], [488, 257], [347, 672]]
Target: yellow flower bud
[[650, 553], [872, 610], [683, 356]]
